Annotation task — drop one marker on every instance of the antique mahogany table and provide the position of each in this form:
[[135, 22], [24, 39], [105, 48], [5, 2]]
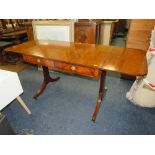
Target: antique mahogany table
[[80, 58]]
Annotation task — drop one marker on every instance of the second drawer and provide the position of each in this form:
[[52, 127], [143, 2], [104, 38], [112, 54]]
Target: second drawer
[[86, 71]]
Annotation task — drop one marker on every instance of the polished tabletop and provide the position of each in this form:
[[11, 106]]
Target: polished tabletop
[[113, 58]]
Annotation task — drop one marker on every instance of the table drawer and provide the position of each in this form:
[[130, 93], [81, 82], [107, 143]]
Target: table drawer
[[86, 71], [38, 61], [64, 67]]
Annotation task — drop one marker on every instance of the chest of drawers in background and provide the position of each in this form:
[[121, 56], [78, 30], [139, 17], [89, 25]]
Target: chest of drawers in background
[[86, 32], [140, 33]]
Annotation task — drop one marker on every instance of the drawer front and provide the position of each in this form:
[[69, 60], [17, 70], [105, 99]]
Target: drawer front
[[86, 71], [38, 61], [63, 67]]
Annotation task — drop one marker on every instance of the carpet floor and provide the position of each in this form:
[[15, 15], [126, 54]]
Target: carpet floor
[[66, 107]]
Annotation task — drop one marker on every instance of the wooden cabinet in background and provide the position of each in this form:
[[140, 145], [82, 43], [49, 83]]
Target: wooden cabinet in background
[[140, 33], [29, 31], [86, 32]]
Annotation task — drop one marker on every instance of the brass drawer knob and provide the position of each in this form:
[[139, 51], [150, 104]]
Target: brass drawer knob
[[73, 68], [38, 60]]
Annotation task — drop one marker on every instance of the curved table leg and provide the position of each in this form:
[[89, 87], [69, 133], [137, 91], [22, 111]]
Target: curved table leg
[[47, 79], [100, 96]]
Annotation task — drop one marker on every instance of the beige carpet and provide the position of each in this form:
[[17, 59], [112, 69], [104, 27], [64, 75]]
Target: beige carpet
[[14, 68]]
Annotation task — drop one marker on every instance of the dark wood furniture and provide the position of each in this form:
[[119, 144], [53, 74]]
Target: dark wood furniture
[[27, 26], [29, 31], [3, 23], [13, 34], [16, 36], [3, 45], [92, 58], [86, 32], [120, 27]]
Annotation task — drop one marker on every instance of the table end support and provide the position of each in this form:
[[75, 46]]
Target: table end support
[[47, 79], [102, 89]]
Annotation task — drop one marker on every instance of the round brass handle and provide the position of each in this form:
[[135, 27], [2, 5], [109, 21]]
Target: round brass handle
[[38, 60], [73, 68]]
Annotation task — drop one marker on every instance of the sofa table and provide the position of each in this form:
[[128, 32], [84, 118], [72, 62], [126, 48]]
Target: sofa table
[[82, 58]]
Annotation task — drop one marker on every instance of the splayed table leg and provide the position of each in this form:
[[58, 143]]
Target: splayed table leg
[[47, 79]]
